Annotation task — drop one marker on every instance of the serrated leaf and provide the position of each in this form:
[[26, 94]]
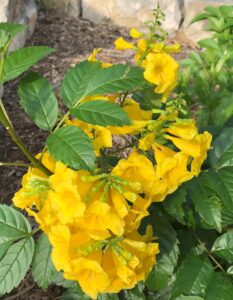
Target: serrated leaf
[[167, 258], [101, 112], [15, 264], [13, 224], [38, 100], [136, 293], [88, 79], [219, 288], [42, 266], [221, 154], [22, 59], [12, 28], [223, 246], [207, 205], [59, 280], [72, 147], [193, 276], [174, 205]]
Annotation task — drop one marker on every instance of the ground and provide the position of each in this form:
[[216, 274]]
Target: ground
[[74, 40]]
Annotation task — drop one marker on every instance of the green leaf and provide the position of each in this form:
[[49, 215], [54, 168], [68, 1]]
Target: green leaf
[[38, 100], [88, 79], [206, 204], [77, 79], [12, 28], [42, 267], [221, 154], [4, 39], [15, 264], [167, 258], [22, 59], [193, 276], [59, 280], [223, 246], [13, 224], [71, 146], [230, 270], [219, 288], [101, 112], [223, 111], [225, 176], [183, 297], [136, 293], [174, 205], [209, 43], [72, 295], [198, 18], [108, 297]]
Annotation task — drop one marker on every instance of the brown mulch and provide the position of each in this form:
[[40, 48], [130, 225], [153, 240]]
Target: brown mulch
[[74, 40]]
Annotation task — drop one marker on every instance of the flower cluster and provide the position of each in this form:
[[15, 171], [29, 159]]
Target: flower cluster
[[92, 219], [160, 68], [92, 223]]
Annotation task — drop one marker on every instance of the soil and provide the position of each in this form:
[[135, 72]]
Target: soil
[[74, 40]]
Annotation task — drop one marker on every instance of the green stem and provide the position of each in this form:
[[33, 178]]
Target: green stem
[[4, 119], [202, 245], [61, 121]]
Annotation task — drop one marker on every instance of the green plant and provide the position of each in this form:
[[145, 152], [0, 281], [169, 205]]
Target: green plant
[[206, 76], [96, 209]]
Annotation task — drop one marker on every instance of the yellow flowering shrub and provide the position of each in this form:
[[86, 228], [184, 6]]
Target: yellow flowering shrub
[[126, 143]]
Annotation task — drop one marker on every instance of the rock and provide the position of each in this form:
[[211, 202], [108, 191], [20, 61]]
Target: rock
[[132, 12], [19, 11], [69, 7], [197, 31]]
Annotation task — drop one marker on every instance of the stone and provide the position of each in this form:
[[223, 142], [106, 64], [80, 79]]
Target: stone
[[19, 11], [132, 13], [196, 31], [69, 7]]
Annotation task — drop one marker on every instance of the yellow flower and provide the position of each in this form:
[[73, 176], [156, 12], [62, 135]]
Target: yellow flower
[[162, 70], [92, 57], [90, 275], [160, 47], [59, 237], [141, 50], [183, 128], [171, 171], [205, 143], [135, 34], [133, 170], [99, 218], [122, 44], [147, 141]]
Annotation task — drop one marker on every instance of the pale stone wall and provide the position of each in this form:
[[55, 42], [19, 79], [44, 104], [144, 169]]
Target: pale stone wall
[[19, 11]]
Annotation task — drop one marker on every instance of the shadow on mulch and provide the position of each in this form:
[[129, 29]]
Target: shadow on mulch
[[74, 40]]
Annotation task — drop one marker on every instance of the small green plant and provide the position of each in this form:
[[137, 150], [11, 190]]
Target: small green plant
[[206, 76]]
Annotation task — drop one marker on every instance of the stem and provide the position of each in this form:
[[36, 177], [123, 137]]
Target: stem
[[14, 164], [61, 121], [7, 124], [209, 254]]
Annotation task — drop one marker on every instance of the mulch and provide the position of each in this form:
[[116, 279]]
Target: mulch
[[74, 40]]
